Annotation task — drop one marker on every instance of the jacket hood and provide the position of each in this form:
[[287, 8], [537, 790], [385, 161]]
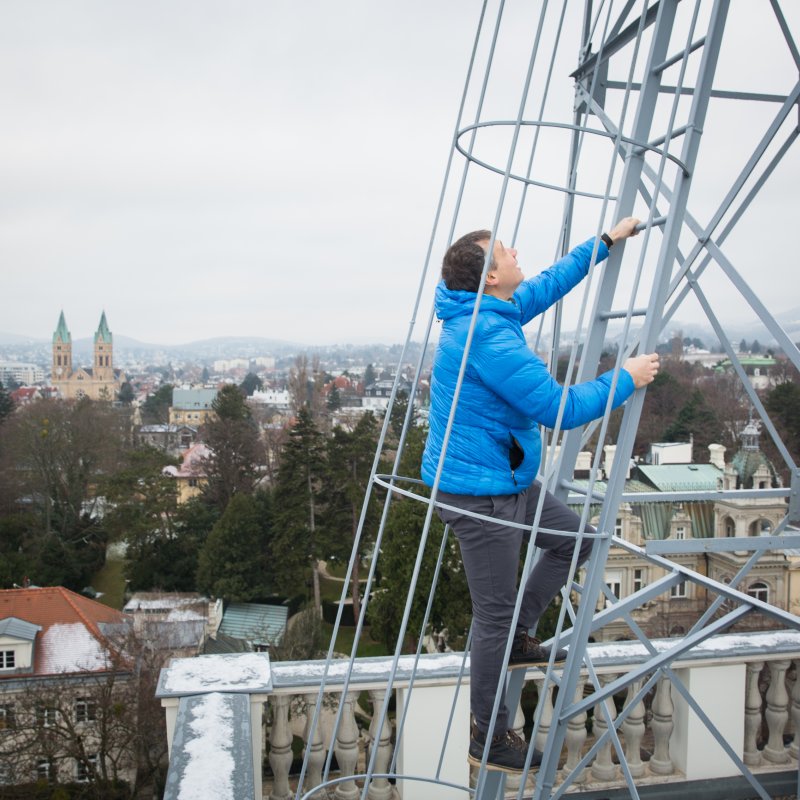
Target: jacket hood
[[452, 303]]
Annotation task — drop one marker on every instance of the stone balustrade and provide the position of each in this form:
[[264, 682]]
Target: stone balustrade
[[745, 684]]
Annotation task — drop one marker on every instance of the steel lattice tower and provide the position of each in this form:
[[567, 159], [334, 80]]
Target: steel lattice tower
[[629, 138]]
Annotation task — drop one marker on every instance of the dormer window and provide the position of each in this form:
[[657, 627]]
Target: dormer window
[[7, 659]]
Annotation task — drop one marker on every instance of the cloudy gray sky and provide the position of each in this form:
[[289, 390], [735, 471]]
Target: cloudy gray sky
[[202, 168]]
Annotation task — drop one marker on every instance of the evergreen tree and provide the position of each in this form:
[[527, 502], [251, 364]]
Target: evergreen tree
[[125, 394], [695, 419], [168, 561], [250, 384], [205, 375], [369, 376], [743, 346], [755, 348], [236, 450], [155, 409], [334, 399], [349, 460], [6, 403], [783, 405], [297, 497], [451, 607], [234, 562]]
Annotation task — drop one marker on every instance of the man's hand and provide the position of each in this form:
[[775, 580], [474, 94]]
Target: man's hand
[[624, 228], [643, 369]]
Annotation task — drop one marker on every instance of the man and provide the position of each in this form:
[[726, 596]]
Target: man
[[494, 451]]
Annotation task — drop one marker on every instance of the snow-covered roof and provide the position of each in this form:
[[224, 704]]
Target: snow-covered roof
[[156, 601], [70, 628], [71, 647]]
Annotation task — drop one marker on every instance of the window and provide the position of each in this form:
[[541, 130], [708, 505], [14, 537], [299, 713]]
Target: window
[[46, 716], [7, 659], [8, 719], [679, 590], [85, 768], [618, 528], [46, 770], [638, 580], [761, 527], [680, 532], [760, 591], [85, 710], [614, 583]]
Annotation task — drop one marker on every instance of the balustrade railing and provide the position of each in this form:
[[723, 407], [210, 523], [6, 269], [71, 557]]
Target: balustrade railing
[[746, 684]]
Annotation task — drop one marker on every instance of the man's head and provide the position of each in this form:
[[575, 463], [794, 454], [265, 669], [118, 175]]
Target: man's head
[[463, 264]]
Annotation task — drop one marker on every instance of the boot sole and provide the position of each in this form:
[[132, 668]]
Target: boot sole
[[527, 664], [476, 762]]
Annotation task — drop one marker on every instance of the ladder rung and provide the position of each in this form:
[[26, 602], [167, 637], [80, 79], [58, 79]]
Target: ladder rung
[[655, 222], [674, 135], [636, 312], [661, 139], [678, 56]]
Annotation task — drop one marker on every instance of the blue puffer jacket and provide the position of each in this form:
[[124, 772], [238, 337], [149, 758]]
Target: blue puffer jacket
[[507, 390]]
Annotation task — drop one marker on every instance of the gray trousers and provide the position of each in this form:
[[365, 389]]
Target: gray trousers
[[490, 552]]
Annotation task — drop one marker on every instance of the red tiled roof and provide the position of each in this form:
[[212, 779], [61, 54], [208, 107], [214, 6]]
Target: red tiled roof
[[70, 639]]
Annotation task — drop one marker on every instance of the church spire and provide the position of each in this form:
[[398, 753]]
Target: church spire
[[103, 334], [62, 334]]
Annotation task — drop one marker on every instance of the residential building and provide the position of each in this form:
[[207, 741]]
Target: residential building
[[758, 369], [774, 579], [173, 621], [172, 439], [191, 406], [62, 674], [191, 474], [20, 372], [98, 382]]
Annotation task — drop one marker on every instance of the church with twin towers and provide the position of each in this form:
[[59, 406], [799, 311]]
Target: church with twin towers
[[98, 382]]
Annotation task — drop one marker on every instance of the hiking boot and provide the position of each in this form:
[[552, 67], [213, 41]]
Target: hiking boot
[[527, 651], [507, 752]]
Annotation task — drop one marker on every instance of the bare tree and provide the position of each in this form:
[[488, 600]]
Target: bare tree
[[105, 730], [306, 389]]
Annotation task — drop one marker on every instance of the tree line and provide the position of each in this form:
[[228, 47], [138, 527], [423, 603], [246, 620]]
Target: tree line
[[71, 482]]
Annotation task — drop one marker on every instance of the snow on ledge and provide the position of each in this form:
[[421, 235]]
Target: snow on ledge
[[229, 672], [210, 765], [730, 644]]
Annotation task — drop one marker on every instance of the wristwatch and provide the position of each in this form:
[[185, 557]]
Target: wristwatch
[[609, 242]]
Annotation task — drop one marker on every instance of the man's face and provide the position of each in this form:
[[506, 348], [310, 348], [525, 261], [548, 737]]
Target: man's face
[[504, 278]]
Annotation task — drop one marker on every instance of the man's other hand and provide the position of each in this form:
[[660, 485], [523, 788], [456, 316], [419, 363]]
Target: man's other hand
[[624, 228], [643, 369]]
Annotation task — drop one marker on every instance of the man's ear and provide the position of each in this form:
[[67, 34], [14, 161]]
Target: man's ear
[[491, 278]]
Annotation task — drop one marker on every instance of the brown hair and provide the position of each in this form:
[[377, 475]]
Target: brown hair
[[463, 262]]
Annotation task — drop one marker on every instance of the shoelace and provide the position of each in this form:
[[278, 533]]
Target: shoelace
[[516, 742]]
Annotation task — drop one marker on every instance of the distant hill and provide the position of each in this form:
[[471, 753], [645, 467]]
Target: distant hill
[[223, 347]]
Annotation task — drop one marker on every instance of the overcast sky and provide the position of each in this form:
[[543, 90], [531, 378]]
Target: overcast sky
[[260, 167]]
